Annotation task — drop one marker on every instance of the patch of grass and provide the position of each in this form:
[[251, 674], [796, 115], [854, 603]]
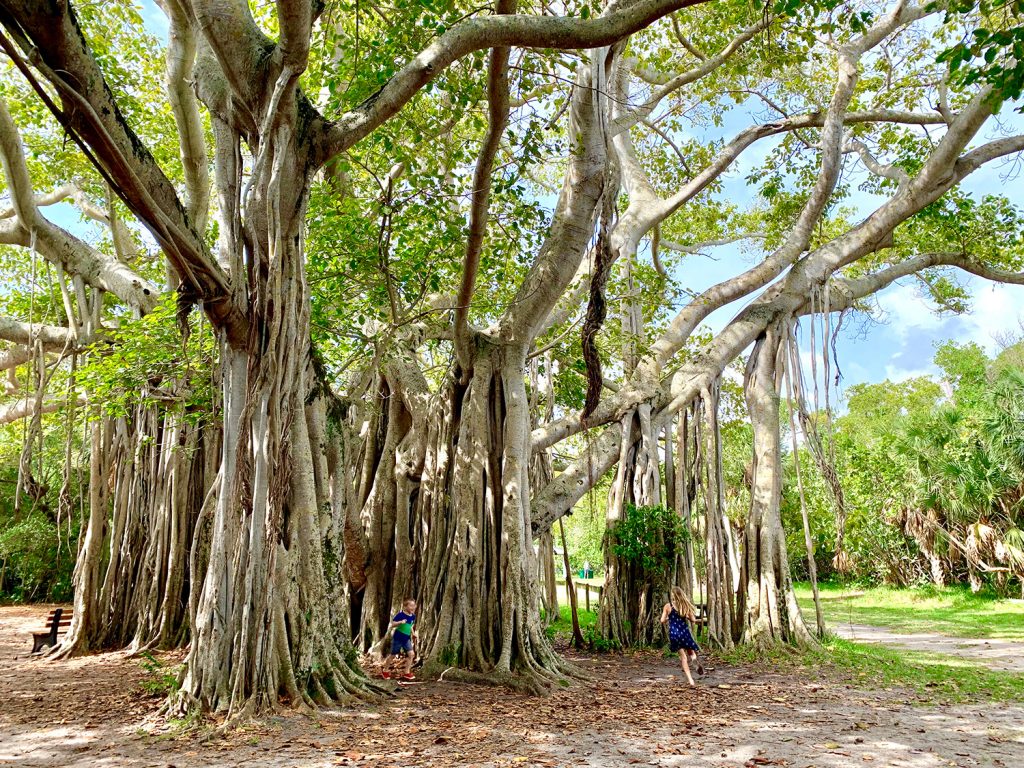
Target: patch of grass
[[562, 626], [161, 680], [934, 677], [953, 611], [598, 643], [191, 723]]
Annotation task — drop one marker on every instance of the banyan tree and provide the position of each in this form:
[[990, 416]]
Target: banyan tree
[[399, 261]]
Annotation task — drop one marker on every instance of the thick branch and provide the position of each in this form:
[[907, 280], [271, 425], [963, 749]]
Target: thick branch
[[295, 18], [181, 57], [940, 173], [239, 46], [846, 291], [572, 223], [492, 32], [26, 407], [12, 358], [52, 337], [50, 37], [89, 209], [53, 242], [498, 110]]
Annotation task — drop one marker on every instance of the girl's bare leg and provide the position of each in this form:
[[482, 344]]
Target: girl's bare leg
[[686, 666], [696, 660]]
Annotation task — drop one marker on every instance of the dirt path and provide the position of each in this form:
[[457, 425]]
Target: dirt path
[[92, 712], [1005, 655]]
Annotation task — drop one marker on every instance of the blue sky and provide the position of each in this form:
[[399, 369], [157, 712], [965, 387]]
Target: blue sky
[[901, 342], [154, 19]]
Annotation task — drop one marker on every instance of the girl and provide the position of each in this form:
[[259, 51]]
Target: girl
[[678, 612]]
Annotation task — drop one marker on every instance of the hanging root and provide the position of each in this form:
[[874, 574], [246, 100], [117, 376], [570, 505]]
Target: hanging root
[[596, 312], [531, 683], [537, 673]]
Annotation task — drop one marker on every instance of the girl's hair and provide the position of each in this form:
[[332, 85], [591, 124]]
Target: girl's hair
[[682, 603]]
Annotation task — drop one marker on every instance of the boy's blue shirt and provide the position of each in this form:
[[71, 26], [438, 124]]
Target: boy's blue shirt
[[408, 620]]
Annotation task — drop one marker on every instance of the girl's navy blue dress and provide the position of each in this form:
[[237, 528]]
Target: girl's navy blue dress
[[679, 637]]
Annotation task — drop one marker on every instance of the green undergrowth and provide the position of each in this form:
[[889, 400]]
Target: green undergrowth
[[934, 677], [161, 679], [560, 630], [953, 611]]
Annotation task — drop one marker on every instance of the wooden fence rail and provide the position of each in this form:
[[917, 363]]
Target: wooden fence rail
[[597, 585]]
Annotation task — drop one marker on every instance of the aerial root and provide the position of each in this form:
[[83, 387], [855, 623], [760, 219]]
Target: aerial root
[[521, 682]]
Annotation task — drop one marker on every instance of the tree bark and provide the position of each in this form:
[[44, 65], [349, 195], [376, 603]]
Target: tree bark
[[479, 608], [772, 613]]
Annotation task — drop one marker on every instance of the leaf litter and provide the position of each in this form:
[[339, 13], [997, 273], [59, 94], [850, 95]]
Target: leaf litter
[[637, 710]]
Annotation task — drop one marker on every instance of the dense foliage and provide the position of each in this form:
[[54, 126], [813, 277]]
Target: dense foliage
[[933, 476]]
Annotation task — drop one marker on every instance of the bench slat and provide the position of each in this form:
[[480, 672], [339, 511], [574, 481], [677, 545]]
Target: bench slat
[[57, 623]]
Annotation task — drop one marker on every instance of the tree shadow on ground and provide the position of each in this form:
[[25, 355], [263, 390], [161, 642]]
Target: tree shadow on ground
[[637, 711]]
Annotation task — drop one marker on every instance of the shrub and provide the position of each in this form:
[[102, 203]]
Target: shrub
[[31, 567]]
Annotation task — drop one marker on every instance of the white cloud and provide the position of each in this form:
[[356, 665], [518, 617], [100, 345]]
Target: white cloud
[[907, 312], [895, 373], [995, 311]]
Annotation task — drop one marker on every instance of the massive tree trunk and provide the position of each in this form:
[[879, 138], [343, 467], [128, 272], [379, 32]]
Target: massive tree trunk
[[479, 606], [632, 597], [263, 625], [149, 474], [772, 613]]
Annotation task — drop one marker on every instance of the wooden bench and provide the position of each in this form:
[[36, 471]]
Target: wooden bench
[[57, 623]]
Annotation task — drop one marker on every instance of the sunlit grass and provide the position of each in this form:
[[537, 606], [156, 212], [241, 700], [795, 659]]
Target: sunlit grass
[[953, 611], [933, 676], [562, 627]]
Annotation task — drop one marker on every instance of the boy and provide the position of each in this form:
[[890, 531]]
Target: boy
[[403, 638]]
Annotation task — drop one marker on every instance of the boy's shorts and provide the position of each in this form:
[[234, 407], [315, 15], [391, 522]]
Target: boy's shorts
[[401, 644]]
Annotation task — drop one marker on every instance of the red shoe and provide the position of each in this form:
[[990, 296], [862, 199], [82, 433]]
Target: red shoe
[[386, 675], [408, 676]]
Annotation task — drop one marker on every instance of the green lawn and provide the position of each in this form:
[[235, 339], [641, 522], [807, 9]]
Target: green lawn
[[950, 611], [562, 627], [933, 676]]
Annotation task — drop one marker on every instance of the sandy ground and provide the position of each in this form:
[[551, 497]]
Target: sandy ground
[[93, 712], [998, 654]]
